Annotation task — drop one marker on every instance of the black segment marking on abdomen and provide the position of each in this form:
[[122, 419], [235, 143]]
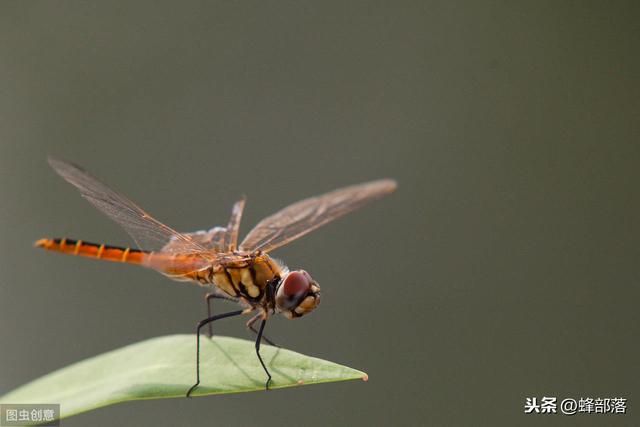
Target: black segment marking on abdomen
[[71, 242]]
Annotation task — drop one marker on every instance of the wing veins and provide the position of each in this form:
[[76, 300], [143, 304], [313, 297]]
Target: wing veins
[[304, 216]]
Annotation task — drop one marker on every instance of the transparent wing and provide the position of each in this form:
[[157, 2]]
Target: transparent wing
[[231, 237], [211, 240], [305, 216], [149, 233], [218, 239]]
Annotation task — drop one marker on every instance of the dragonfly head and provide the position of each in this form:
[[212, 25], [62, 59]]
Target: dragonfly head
[[297, 294]]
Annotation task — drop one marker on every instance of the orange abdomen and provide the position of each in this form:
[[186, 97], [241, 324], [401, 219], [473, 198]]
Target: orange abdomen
[[94, 250]]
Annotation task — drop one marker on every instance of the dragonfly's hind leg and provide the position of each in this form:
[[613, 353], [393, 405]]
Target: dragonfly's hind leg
[[253, 329], [212, 295], [201, 323], [208, 297]]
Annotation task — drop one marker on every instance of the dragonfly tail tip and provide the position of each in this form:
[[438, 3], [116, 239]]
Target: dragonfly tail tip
[[41, 243]]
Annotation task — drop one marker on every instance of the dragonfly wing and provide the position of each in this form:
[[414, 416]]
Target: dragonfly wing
[[217, 239], [231, 238], [212, 240], [149, 233], [306, 215]]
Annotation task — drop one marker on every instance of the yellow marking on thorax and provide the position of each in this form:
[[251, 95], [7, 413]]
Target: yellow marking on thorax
[[77, 249], [125, 254], [100, 251], [247, 281], [63, 243], [253, 275], [221, 280]]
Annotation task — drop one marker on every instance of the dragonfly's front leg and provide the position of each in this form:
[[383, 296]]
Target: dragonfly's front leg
[[258, 340], [253, 329]]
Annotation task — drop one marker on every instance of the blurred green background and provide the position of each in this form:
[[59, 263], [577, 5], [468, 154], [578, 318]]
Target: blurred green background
[[506, 265]]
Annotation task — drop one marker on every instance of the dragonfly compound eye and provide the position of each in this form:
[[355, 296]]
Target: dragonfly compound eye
[[295, 285], [298, 294]]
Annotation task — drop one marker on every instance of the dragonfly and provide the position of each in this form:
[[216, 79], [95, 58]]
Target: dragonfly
[[244, 273]]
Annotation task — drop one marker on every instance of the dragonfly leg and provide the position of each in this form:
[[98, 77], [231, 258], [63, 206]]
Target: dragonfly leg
[[208, 297], [253, 329], [202, 323], [258, 339]]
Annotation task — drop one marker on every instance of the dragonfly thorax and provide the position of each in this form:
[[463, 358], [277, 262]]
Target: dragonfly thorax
[[297, 294]]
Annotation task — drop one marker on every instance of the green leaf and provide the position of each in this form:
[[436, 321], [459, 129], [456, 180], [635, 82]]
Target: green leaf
[[165, 367]]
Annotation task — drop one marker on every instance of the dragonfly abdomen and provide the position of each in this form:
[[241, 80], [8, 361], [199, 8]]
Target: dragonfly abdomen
[[93, 250]]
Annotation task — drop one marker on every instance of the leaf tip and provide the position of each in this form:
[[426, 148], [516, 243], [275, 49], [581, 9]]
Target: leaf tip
[[365, 377]]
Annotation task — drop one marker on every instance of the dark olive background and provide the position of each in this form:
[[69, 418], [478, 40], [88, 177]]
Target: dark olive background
[[505, 266]]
